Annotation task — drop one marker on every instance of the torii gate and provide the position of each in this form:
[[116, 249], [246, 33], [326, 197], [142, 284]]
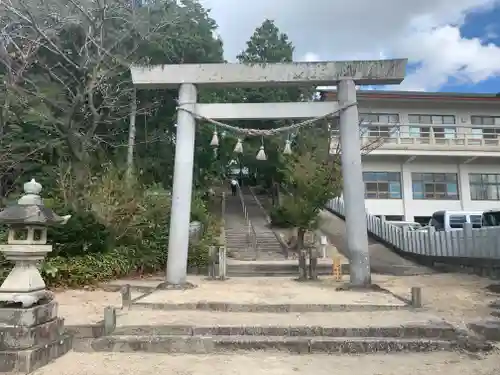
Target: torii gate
[[344, 74]]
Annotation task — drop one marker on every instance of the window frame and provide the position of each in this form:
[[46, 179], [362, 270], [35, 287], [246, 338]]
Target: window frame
[[390, 182], [418, 178], [483, 185]]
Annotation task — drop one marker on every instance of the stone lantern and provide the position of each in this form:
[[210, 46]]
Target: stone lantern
[[31, 333], [27, 247]]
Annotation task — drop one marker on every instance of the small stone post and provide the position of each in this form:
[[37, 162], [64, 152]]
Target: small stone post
[[31, 334]]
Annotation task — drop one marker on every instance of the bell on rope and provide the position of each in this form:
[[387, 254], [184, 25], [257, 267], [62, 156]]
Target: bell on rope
[[288, 148], [239, 147], [215, 140], [261, 155]]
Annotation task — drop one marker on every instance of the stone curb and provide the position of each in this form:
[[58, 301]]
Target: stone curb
[[436, 330], [86, 330], [488, 329], [269, 308], [298, 345]]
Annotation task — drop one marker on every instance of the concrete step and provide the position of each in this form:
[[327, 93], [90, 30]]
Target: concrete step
[[297, 344], [261, 268]]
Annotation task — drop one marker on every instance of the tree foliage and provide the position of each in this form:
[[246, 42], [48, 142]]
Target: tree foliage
[[68, 87], [309, 183], [268, 45], [65, 113]]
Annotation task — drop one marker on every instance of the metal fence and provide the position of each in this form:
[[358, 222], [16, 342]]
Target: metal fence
[[482, 243], [251, 234]]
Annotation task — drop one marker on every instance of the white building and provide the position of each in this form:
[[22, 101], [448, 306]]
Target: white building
[[439, 151]]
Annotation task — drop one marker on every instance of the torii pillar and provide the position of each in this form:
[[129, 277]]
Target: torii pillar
[[344, 74]]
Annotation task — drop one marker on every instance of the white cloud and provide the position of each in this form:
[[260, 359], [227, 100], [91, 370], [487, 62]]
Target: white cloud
[[425, 31]]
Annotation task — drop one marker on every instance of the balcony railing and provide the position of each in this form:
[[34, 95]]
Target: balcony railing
[[458, 138]]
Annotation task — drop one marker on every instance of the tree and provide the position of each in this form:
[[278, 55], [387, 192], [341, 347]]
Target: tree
[[66, 68], [309, 182], [267, 45]]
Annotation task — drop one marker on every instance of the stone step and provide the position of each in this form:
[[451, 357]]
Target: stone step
[[291, 344], [277, 268]]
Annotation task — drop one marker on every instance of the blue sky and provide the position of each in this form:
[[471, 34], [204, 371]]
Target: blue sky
[[484, 25], [445, 41]]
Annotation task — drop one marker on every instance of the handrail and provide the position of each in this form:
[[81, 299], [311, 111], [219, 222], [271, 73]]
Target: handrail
[[251, 234]]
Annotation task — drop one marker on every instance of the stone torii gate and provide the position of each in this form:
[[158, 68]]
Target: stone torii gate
[[344, 74]]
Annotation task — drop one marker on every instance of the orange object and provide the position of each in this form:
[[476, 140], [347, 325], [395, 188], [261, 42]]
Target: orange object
[[337, 269]]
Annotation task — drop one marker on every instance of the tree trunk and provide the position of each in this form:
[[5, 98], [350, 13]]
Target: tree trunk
[[131, 137], [302, 255]]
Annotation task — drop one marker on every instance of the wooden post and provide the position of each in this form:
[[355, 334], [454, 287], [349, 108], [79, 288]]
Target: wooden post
[[109, 320], [416, 297], [126, 296], [313, 264], [211, 262]]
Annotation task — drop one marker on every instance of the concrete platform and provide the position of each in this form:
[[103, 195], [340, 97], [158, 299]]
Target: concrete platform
[[396, 318], [267, 295]]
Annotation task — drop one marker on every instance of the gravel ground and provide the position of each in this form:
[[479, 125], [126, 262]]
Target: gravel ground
[[457, 298], [275, 364], [86, 306], [270, 290]]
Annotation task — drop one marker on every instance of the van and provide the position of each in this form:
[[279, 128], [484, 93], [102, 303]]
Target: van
[[491, 218], [411, 225], [455, 220]]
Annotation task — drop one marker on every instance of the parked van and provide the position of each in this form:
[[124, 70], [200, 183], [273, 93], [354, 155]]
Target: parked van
[[455, 220], [491, 218], [411, 225]]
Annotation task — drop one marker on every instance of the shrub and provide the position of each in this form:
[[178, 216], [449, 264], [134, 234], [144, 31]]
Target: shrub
[[281, 217], [83, 234], [118, 231]]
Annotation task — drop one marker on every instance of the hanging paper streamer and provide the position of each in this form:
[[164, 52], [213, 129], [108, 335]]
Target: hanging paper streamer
[[288, 148], [239, 147], [261, 155], [215, 140]]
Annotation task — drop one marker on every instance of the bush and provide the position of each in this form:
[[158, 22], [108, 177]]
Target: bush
[[83, 234], [94, 268], [281, 217], [118, 232]]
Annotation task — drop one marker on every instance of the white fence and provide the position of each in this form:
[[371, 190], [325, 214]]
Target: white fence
[[467, 243]]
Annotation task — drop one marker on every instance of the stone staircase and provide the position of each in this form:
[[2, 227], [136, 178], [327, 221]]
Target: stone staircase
[[267, 257], [236, 230], [269, 246]]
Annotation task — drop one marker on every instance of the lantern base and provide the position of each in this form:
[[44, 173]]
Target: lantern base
[[31, 337], [25, 299]]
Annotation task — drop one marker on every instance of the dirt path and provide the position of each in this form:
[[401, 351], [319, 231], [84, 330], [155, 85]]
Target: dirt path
[[272, 364]]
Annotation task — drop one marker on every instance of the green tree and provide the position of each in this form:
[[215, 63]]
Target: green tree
[[309, 183], [267, 45], [68, 86]]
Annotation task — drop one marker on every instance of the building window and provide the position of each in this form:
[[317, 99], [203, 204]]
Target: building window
[[485, 127], [379, 124], [434, 122], [379, 118], [484, 187], [485, 120], [432, 119], [382, 185], [435, 186]]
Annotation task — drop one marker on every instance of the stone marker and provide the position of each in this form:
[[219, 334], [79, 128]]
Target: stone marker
[[31, 334]]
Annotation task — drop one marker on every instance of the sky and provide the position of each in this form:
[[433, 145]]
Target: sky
[[451, 45]]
